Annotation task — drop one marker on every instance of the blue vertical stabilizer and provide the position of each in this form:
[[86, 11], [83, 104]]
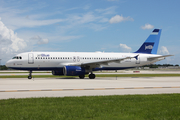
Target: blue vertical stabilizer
[[150, 46]]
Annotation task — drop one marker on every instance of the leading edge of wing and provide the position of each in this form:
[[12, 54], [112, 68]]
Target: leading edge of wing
[[104, 62]]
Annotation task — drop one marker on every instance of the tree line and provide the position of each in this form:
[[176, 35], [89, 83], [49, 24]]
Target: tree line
[[3, 67], [160, 65]]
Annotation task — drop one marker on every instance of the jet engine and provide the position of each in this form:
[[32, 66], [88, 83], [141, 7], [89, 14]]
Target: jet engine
[[57, 72], [74, 71]]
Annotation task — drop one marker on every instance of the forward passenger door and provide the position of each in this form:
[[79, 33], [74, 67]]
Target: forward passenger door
[[30, 58]]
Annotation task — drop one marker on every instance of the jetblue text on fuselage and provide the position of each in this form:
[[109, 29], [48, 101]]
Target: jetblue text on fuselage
[[43, 55]]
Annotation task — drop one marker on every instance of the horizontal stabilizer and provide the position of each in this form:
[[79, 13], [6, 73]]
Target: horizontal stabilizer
[[163, 56]]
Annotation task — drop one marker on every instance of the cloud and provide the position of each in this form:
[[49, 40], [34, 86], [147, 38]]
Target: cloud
[[107, 11], [65, 38], [10, 43], [87, 20], [97, 27], [118, 18], [16, 19], [86, 7], [18, 22], [147, 26], [125, 48], [39, 40], [81, 19], [9, 40], [104, 20], [71, 9], [164, 50]]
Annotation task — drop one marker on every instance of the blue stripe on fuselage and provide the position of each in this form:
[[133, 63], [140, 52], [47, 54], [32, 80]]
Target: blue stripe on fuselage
[[61, 68]]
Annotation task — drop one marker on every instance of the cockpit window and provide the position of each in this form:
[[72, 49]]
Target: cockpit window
[[17, 57]]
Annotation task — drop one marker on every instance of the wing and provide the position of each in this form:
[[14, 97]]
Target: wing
[[159, 57], [103, 62]]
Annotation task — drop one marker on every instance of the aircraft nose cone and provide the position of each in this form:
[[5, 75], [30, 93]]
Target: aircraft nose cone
[[8, 64]]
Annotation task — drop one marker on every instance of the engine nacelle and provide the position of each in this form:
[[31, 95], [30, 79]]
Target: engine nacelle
[[73, 71], [57, 72]]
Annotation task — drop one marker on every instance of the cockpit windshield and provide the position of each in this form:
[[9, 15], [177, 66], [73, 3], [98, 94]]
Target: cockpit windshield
[[17, 57]]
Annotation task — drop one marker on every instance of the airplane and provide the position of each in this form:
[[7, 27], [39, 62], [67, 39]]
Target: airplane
[[82, 63]]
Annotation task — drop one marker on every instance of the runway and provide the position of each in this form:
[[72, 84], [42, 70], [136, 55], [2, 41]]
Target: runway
[[61, 87]]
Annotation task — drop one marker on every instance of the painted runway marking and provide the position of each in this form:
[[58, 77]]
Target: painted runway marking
[[89, 89]]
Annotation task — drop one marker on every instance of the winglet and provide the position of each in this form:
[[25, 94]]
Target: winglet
[[150, 46]]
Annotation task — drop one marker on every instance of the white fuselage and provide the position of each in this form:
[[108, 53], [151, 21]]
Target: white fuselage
[[56, 60]]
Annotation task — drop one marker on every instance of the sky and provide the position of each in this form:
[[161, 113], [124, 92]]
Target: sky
[[88, 26]]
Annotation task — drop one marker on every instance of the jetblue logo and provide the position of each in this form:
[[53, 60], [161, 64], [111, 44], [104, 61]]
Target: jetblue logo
[[43, 55], [149, 47]]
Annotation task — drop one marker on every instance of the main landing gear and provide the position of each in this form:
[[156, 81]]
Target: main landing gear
[[30, 75], [92, 76], [81, 76]]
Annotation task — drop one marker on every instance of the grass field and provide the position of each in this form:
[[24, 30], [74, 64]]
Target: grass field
[[97, 75], [126, 107]]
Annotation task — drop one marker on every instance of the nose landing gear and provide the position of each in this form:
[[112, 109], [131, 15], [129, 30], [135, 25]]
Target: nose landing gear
[[30, 75]]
